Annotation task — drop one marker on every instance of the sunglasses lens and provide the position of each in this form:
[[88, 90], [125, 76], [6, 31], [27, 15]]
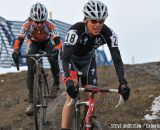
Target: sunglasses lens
[[102, 21], [95, 21], [39, 22]]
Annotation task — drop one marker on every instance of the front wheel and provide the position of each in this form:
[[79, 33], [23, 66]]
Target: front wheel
[[96, 126], [36, 102]]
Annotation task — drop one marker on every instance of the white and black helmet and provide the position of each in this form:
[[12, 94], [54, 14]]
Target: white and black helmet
[[38, 12], [95, 9]]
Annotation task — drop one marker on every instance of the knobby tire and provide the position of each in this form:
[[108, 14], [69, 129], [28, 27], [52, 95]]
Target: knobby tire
[[35, 100], [38, 101], [45, 94]]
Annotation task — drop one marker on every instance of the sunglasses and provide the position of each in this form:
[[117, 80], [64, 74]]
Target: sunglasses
[[96, 21], [39, 22]]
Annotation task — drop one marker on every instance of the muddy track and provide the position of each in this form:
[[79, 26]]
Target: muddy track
[[143, 80]]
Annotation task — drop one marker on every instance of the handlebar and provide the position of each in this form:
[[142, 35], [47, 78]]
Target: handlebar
[[35, 57], [104, 90], [98, 90]]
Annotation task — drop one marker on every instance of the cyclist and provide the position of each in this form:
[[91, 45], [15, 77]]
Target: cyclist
[[42, 35], [79, 53]]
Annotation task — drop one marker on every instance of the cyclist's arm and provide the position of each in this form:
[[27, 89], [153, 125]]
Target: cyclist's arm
[[117, 60], [24, 31], [116, 57], [18, 43], [66, 56], [58, 42], [54, 35], [70, 41]]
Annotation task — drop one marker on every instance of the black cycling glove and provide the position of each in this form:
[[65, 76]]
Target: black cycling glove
[[124, 90], [15, 56], [71, 90]]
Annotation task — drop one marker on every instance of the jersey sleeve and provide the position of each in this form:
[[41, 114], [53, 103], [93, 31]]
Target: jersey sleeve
[[54, 35], [112, 42], [71, 38], [23, 33], [118, 64], [68, 47]]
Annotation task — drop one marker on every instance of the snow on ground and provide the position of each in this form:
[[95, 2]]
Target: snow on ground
[[155, 109], [11, 69]]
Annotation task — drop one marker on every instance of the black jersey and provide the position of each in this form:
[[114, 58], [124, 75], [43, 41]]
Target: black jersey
[[78, 42]]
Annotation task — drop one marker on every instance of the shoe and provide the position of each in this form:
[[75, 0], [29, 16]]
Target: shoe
[[53, 93], [29, 110]]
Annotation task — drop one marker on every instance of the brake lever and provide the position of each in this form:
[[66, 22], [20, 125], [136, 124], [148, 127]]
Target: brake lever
[[120, 102]]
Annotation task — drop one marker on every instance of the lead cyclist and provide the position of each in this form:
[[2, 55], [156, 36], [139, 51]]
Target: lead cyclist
[[78, 53]]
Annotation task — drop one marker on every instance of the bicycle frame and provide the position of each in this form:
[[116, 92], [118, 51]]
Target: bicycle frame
[[38, 65], [90, 111], [91, 105], [40, 90]]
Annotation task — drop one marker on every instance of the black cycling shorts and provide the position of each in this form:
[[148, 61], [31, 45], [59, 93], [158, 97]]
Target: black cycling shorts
[[86, 65]]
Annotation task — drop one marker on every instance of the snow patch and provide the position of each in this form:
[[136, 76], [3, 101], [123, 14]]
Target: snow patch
[[11, 70], [155, 108]]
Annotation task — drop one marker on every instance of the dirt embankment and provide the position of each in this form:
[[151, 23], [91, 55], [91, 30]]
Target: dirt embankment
[[143, 79]]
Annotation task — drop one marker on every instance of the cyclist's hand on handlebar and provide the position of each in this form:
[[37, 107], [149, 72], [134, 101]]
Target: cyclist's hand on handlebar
[[15, 56], [124, 90], [71, 90]]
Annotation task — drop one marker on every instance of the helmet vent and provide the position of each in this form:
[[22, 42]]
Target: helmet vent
[[95, 9]]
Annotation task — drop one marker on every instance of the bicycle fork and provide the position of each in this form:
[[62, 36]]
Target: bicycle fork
[[87, 121], [77, 115], [89, 114], [78, 121]]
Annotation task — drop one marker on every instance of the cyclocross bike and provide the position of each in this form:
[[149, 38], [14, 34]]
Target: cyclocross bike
[[40, 90], [89, 122]]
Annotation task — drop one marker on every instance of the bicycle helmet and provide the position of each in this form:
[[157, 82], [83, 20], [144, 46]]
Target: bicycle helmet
[[96, 10], [38, 12]]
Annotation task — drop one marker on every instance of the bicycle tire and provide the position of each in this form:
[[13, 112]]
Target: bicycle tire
[[96, 125], [45, 95], [36, 101], [43, 102]]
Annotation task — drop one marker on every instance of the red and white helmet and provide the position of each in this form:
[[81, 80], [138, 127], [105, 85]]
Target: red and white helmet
[[96, 10], [38, 12]]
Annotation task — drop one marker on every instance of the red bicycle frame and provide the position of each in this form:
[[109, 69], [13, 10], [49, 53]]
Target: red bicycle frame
[[90, 112], [88, 124], [91, 103]]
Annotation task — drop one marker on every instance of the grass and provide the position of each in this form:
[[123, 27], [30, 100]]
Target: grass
[[142, 84]]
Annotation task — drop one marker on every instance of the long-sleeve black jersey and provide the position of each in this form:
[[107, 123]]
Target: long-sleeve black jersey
[[80, 43]]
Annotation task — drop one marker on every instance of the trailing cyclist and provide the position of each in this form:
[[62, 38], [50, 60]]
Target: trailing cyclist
[[40, 34], [79, 54]]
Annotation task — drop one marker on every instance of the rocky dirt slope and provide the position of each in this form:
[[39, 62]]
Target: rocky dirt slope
[[143, 79]]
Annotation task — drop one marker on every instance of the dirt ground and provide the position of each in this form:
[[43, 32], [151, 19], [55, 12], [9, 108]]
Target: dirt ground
[[143, 79]]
